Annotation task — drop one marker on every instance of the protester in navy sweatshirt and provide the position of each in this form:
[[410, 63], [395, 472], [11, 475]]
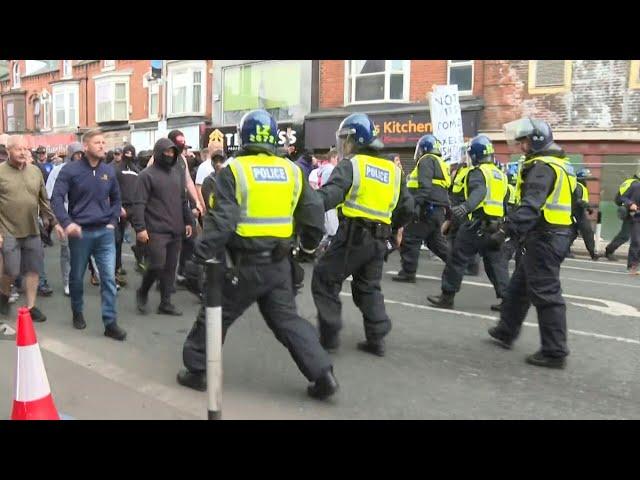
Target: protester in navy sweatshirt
[[94, 212]]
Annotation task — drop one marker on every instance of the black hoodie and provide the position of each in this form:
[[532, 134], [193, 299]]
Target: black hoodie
[[127, 175], [160, 201]]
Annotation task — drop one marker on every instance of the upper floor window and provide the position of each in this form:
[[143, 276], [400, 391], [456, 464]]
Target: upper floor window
[[369, 81]]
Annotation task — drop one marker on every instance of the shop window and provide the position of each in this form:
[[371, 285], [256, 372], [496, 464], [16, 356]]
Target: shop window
[[274, 86], [549, 76], [374, 81], [460, 73]]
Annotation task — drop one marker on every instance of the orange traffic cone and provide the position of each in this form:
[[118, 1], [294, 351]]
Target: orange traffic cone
[[33, 400]]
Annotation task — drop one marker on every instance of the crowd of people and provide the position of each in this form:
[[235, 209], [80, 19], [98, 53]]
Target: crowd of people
[[267, 209]]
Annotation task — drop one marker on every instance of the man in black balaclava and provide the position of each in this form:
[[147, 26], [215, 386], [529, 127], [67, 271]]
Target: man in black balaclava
[[127, 175], [160, 222]]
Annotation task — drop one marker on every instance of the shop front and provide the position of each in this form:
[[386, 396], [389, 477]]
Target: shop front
[[228, 136], [399, 130], [54, 143]]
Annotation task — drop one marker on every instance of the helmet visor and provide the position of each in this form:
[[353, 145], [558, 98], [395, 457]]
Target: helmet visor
[[518, 129]]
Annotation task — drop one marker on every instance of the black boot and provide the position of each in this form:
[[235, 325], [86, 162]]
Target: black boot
[[197, 381], [375, 348], [169, 309], [404, 277], [445, 300], [325, 386], [496, 307], [501, 338], [78, 321], [540, 360], [37, 315], [114, 331], [330, 343], [610, 256]]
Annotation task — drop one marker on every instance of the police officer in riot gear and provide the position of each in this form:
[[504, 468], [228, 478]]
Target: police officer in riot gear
[[428, 183], [543, 220], [581, 207], [374, 204], [625, 229], [456, 197], [486, 193], [258, 197]]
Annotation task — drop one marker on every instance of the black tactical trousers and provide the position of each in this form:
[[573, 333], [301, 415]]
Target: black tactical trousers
[[623, 236], [474, 263], [467, 245], [634, 249], [270, 286], [584, 228], [425, 230], [537, 281], [363, 259]]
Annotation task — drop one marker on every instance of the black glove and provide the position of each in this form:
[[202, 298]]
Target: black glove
[[459, 212], [496, 240]]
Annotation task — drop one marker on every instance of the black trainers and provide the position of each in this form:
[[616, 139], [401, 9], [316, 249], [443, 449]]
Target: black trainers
[[78, 321], [37, 315], [610, 256], [324, 387], [404, 277], [442, 301], [375, 348], [169, 309], [45, 290], [330, 343], [197, 381], [141, 302], [540, 360], [501, 338], [114, 331], [4, 304]]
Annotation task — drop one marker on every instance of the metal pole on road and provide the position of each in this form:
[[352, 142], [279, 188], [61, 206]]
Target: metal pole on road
[[213, 306]]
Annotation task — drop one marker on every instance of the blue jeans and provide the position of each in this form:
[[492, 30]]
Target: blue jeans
[[100, 243]]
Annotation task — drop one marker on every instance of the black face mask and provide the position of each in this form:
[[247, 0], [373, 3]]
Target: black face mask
[[167, 161]]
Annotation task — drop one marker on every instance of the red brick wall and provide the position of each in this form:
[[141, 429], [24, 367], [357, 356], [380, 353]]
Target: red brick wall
[[331, 83], [423, 75], [599, 98]]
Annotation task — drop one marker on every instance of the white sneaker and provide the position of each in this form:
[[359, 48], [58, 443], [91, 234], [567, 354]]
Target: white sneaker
[[6, 332], [13, 298], [66, 290]]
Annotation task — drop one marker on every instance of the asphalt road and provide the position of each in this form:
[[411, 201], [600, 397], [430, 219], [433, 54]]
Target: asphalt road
[[439, 364]]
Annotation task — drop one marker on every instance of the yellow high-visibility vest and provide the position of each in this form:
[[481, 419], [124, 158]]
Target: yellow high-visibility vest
[[412, 181], [459, 180], [626, 185], [267, 189], [375, 189], [496, 186], [513, 199], [557, 207]]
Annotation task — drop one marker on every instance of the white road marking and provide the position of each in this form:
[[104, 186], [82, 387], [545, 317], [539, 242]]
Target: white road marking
[[595, 270], [174, 397], [491, 317], [601, 283], [616, 309]]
